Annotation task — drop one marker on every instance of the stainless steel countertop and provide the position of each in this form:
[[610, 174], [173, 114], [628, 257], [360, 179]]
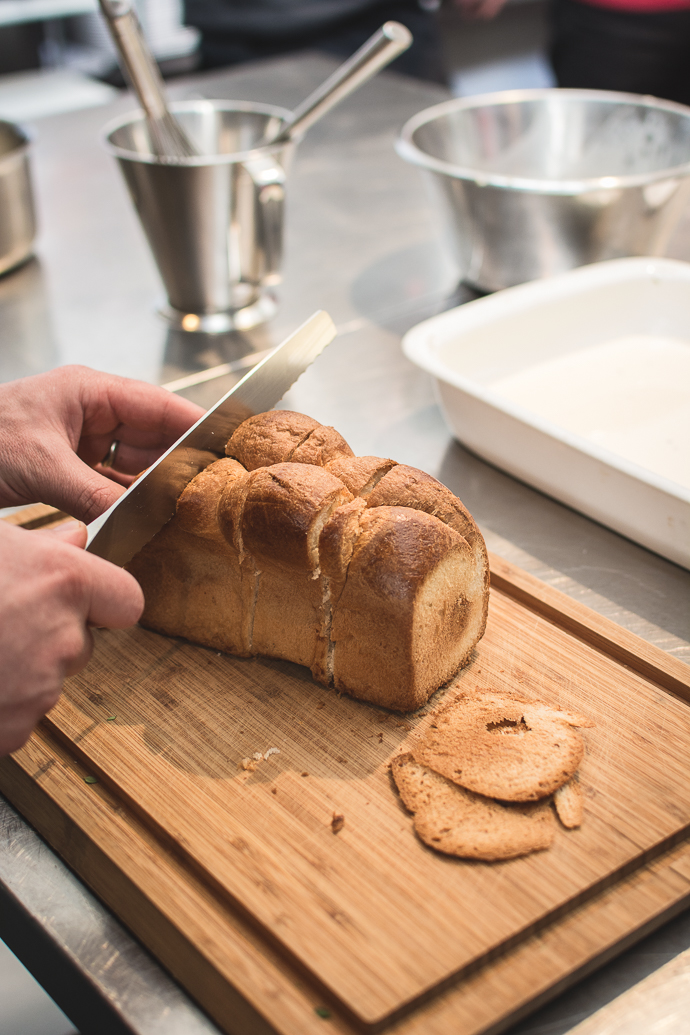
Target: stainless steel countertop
[[362, 243]]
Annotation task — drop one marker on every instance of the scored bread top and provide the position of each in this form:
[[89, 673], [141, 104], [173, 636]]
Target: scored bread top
[[360, 473], [269, 438], [288, 454], [283, 436], [284, 509], [404, 486], [320, 447], [198, 504]]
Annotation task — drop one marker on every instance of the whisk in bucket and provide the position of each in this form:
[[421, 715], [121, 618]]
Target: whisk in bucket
[[168, 139]]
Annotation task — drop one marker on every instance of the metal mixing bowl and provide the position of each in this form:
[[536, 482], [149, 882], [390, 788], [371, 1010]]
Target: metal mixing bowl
[[535, 182], [17, 219]]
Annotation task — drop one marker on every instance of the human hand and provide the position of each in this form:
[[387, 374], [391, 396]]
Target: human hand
[[480, 9], [51, 590], [57, 427]]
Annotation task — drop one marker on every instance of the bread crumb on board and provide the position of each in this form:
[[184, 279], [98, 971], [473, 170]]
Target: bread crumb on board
[[251, 764], [337, 823]]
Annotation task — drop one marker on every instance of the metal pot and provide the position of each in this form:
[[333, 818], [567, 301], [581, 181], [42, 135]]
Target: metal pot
[[17, 218], [214, 221], [534, 182]]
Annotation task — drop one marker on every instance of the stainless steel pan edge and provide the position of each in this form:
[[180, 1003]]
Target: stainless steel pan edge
[[147, 505]]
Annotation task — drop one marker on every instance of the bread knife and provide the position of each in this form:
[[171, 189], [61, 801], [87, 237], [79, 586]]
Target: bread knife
[[150, 502]]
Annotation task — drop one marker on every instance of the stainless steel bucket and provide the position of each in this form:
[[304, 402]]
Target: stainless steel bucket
[[17, 218], [214, 222], [535, 182]]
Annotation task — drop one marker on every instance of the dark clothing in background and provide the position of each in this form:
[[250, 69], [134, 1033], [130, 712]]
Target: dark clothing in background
[[600, 48], [234, 31]]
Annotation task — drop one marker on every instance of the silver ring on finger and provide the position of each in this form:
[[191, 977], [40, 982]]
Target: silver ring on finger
[[110, 458]]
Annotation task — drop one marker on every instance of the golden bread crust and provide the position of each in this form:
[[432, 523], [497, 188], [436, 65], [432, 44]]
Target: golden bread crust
[[570, 804], [282, 506], [269, 438], [405, 486], [322, 446], [193, 588], [369, 572], [360, 473], [396, 549], [197, 506], [403, 603], [338, 538]]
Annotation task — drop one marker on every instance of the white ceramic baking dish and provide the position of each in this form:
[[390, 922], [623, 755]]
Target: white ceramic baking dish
[[579, 385]]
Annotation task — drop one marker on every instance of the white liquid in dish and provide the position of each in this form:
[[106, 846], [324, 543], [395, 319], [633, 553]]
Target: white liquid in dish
[[630, 395]]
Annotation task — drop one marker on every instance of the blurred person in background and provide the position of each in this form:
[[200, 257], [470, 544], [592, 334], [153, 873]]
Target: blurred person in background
[[637, 46], [234, 31]]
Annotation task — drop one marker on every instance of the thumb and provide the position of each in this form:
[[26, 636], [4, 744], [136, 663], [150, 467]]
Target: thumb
[[73, 532]]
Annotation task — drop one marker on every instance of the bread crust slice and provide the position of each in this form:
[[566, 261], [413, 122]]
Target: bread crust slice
[[502, 747], [336, 545], [569, 803], [458, 822]]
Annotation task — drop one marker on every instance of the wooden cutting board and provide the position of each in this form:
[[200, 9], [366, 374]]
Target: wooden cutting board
[[228, 869]]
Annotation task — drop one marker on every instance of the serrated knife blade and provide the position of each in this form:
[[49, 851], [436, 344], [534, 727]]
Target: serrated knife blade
[[147, 505]]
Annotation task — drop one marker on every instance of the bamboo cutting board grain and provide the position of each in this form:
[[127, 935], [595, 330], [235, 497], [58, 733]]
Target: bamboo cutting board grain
[[234, 878]]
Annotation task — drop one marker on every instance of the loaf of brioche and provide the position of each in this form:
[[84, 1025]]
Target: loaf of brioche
[[371, 573]]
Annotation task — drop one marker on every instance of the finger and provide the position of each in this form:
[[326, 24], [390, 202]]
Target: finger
[[73, 532], [132, 442], [110, 402], [154, 439], [115, 597], [116, 476], [80, 659], [133, 460]]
